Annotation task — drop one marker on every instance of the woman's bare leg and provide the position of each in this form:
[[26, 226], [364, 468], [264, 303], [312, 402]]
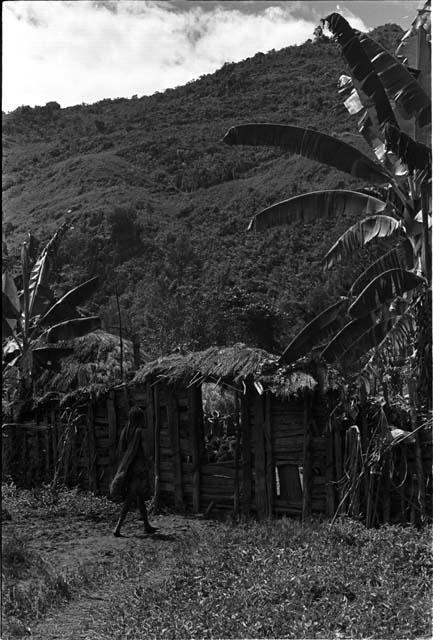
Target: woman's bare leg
[[125, 508], [142, 506]]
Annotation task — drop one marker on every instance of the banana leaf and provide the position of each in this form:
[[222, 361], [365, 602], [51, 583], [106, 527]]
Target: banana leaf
[[8, 308], [383, 289], [400, 257], [398, 338], [369, 128], [361, 66], [319, 329], [11, 350], [39, 291], [310, 144], [66, 306], [399, 84], [7, 329], [308, 207], [415, 154], [356, 338], [360, 234], [10, 291], [72, 329]]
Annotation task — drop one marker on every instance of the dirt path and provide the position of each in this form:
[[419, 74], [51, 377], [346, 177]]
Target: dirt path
[[68, 542]]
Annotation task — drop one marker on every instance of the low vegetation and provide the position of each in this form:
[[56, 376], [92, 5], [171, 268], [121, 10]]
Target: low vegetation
[[285, 580], [279, 579]]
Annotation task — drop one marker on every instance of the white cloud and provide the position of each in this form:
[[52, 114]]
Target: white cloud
[[81, 51]]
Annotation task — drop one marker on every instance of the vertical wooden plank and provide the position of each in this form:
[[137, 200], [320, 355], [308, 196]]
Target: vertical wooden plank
[[365, 439], [269, 456], [173, 428], [112, 432], [25, 464], [157, 447], [67, 453], [307, 460], [329, 473], [402, 490], [53, 440], [7, 452], [246, 454], [150, 415], [48, 449], [338, 457], [386, 491], [91, 449], [260, 458], [420, 479], [74, 455], [194, 398]]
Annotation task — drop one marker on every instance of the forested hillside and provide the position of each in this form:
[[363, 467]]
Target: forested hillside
[[159, 206]]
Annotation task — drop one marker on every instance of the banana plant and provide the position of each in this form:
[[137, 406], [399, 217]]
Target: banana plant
[[35, 326], [394, 124]]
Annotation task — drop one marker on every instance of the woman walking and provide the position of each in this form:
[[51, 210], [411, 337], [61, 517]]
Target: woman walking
[[133, 479]]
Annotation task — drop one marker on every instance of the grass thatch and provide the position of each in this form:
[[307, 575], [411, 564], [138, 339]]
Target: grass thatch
[[227, 365], [94, 366]]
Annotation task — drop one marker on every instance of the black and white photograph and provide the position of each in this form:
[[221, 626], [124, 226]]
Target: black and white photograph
[[216, 320]]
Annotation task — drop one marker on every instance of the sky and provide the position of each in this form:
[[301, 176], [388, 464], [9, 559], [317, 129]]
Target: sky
[[79, 51]]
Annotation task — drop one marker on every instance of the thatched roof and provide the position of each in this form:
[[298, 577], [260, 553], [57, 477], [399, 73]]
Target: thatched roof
[[227, 365], [93, 367]]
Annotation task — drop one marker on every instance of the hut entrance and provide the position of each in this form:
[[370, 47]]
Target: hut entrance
[[220, 422]]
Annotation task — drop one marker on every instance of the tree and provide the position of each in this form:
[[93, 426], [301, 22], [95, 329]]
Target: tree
[[388, 301], [37, 328]]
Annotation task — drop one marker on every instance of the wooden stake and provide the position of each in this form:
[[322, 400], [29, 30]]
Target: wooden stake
[[418, 451], [338, 458], [269, 457], [307, 462], [194, 399], [150, 415], [260, 458], [112, 432], [246, 454], [330, 491], [93, 478], [156, 492], [173, 427], [386, 491]]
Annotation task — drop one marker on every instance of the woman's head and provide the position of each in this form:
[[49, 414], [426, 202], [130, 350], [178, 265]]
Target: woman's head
[[137, 418]]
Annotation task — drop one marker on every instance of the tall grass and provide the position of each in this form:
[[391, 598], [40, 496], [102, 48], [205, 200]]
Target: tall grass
[[56, 500], [285, 580]]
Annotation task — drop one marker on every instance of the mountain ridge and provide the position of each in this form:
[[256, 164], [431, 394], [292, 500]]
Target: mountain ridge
[[160, 205]]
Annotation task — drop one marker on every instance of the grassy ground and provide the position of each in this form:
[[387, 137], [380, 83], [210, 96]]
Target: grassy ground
[[213, 580], [282, 580], [30, 583]]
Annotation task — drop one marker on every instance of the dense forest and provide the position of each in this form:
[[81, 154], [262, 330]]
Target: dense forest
[[159, 207]]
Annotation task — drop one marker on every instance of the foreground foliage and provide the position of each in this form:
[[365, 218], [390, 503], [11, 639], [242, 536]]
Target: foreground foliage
[[285, 580]]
